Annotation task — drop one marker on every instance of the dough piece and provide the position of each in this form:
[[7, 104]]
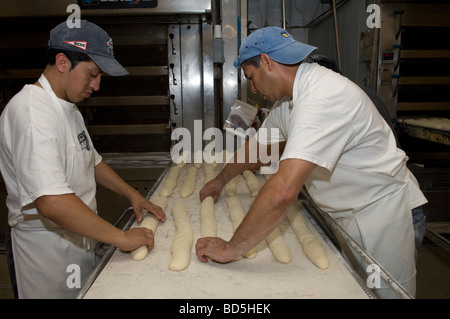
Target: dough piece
[[208, 218], [183, 159], [188, 186], [160, 201], [230, 188], [150, 222], [278, 246], [198, 159], [214, 162], [207, 215], [209, 173], [312, 247], [237, 215], [184, 237], [252, 183], [171, 181]]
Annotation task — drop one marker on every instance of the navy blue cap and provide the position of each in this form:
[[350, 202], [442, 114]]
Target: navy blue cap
[[277, 43], [90, 39]]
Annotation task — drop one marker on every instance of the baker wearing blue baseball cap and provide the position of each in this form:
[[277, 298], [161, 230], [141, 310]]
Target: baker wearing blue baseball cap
[[277, 43], [334, 142], [51, 170], [275, 48]]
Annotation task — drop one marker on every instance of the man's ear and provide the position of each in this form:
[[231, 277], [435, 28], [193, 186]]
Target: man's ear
[[62, 63], [265, 61]]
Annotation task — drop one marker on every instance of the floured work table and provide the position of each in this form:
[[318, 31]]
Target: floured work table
[[119, 276]]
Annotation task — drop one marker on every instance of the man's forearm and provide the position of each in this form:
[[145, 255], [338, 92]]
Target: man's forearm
[[70, 213], [107, 177], [248, 157], [271, 204]]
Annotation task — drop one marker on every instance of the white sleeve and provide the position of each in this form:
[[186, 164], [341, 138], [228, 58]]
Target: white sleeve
[[39, 166], [274, 128], [318, 132]]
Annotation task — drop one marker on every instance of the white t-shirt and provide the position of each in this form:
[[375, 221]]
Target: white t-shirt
[[40, 146], [331, 122]]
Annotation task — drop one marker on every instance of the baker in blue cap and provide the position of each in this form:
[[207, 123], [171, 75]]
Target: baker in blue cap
[[51, 170], [333, 141]]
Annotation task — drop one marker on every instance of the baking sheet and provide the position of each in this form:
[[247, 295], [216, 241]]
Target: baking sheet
[[261, 278]]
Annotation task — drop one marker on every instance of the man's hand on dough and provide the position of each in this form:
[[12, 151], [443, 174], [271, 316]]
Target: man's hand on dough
[[136, 237], [140, 204], [212, 188], [214, 248]]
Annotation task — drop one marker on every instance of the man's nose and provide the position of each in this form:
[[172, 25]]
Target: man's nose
[[95, 84]]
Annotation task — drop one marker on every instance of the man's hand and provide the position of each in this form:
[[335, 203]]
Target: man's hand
[[213, 188], [136, 237], [214, 248], [140, 204]]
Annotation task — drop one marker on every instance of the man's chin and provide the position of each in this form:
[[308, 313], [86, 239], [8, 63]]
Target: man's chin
[[79, 100]]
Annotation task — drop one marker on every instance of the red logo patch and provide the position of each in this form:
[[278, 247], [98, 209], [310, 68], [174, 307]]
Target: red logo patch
[[79, 44]]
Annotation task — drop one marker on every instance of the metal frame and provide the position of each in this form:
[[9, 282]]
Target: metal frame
[[36, 8]]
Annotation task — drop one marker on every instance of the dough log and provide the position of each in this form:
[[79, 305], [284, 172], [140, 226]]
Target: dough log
[[230, 188], [184, 237], [208, 218], [237, 215], [312, 247], [171, 181], [150, 222], [252, 183], [207, 214], [278, 246], [188, 186]]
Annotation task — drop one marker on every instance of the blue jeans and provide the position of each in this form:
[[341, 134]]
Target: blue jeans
[[419, 227]]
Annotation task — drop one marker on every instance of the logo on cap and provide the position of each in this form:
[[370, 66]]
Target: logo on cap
[[79, 44], [110, 46], [285, 35]]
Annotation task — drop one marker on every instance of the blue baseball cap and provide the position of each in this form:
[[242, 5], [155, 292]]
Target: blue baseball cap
[[90, 39], [277, 43]]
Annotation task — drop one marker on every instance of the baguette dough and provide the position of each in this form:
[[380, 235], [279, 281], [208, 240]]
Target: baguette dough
[[252, 183], [207, 215], [237, 215], [171, 181], [182, 243], [312, 247], [278, 246], [230, 188], [198, 159], [208, 218], [150, 222], [276, 242], [188, 186]]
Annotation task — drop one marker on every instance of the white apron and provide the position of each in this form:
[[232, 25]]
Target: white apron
[[51, 262], [388, 239]]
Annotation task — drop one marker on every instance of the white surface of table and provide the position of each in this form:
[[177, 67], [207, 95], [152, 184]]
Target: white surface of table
[[259, 278]]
